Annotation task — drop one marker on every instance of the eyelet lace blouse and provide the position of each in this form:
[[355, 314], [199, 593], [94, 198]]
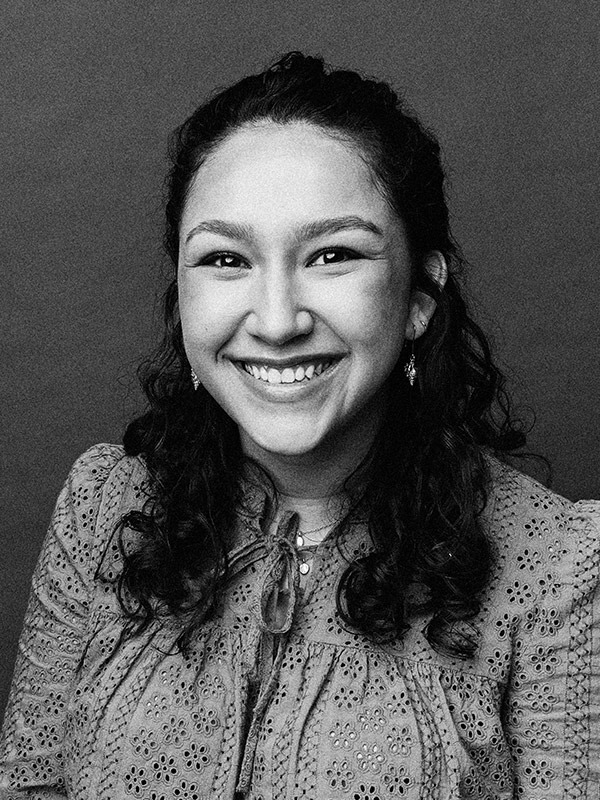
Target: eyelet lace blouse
[[269, 707]]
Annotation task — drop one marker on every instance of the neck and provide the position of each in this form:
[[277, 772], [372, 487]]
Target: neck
[[317, 515], [318, 474]]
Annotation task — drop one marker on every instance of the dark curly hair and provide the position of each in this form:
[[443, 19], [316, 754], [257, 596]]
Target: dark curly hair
[[427, 472]]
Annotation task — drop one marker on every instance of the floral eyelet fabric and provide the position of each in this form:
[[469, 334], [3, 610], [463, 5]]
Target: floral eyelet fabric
[[305, 708]]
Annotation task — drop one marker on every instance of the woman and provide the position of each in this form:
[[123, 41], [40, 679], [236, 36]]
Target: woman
[[309, 572]]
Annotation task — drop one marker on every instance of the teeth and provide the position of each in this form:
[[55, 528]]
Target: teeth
[[287, 375]]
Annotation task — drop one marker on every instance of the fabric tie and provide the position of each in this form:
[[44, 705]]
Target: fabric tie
[[275, 607], [280, 578]]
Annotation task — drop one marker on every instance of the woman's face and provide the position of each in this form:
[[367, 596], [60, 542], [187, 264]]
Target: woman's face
[[294, 279]]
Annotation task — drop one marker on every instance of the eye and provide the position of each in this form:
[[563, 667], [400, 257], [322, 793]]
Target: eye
[[224, 260], [334, 256]]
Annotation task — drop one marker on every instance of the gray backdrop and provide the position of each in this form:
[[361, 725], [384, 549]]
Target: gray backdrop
[[90, 90]]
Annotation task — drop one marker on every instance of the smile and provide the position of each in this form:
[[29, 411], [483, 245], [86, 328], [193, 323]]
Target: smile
[[300, 373]]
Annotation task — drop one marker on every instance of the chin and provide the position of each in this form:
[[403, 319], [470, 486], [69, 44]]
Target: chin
[[284, 441]]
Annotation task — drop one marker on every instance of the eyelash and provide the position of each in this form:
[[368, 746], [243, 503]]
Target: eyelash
[[350, 255], [209, 260], [336, 251]]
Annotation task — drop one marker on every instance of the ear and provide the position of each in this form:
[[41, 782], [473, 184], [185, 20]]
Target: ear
[[422, 305]]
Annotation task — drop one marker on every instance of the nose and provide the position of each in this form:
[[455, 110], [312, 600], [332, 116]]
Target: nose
[[278, 314]]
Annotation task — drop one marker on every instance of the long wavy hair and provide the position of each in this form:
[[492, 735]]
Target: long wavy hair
[[427, 472]]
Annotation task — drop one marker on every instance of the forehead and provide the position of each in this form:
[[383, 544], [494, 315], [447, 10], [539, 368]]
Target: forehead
[[294, 169]]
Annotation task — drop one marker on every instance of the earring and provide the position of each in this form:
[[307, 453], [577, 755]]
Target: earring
[[410, 369], [195, 380]]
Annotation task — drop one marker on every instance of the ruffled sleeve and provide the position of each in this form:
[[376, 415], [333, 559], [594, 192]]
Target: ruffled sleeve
[[552, 704], [50, 647]]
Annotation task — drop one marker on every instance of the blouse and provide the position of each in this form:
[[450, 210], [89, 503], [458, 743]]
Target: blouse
[[299, 706]]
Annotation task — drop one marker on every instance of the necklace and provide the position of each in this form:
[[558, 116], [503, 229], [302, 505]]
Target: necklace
[[306, 552], [303, 536]]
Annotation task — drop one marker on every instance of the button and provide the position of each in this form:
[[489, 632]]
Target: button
[[304, 568], [299, 540]]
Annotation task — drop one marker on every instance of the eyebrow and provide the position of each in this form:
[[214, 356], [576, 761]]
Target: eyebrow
[[305, 232]]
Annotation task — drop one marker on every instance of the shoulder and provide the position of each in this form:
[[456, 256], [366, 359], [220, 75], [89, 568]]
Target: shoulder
[[102, 467], [100, 460], [518, 500], [103, 484], [514, 491], [537, 534]]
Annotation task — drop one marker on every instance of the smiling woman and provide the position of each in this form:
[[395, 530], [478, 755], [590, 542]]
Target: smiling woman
[[310, 571], [295, 261]]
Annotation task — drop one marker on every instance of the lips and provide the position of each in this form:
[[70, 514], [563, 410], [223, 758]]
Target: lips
[[301, 372]]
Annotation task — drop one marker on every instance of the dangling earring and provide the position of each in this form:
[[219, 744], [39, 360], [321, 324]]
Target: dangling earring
[[410, 369], [195, 380]]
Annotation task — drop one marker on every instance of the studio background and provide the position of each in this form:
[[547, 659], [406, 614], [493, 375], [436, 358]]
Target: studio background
[[90, 91]]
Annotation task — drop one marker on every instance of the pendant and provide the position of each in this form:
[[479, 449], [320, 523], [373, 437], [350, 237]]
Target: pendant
[[299, 540], [304, 568], [410, 370]]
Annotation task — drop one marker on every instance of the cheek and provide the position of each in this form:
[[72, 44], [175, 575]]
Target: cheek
[[376, 314], [207, 316]]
